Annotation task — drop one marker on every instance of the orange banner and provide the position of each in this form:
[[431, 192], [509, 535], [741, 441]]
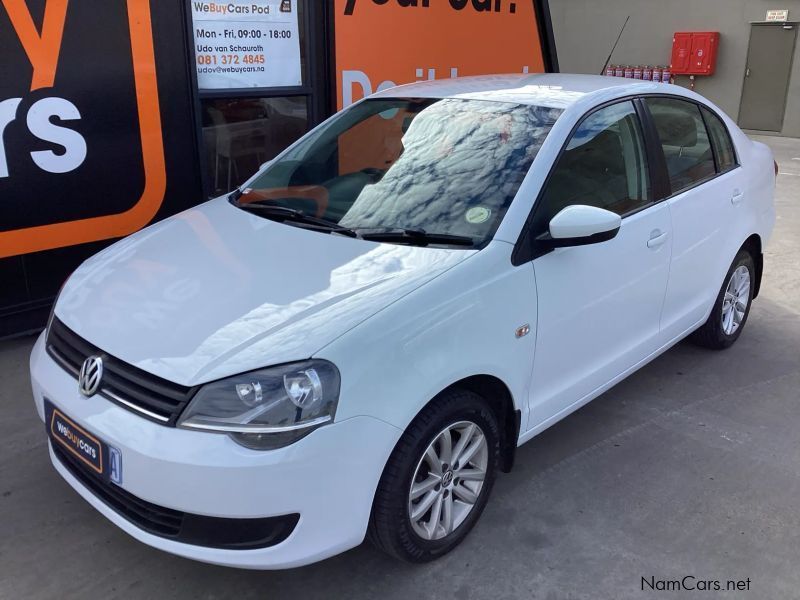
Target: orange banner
[[382, 43]]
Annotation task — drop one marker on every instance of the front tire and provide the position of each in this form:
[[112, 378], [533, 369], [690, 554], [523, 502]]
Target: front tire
[[730, 312], [438, 480]]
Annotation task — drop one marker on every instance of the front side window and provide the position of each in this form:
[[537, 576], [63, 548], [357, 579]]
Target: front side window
[[603, 165], [721, 140], [440, 166], [686, 144]]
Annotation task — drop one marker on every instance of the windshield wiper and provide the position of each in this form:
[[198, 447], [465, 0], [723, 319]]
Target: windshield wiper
[[416, 237], [297, 217], [412, 237]]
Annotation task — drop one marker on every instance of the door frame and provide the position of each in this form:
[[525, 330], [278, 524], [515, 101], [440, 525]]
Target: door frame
[[524, 248], [753, 25]]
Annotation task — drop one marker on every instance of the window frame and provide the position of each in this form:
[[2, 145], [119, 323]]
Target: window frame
[[700, 105], [703, 110], [526, 249]]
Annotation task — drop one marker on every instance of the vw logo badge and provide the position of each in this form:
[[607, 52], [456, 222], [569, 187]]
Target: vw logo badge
[[91, 375], [447, 478]]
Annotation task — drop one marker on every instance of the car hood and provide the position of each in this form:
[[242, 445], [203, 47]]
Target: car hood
[[216, 291]]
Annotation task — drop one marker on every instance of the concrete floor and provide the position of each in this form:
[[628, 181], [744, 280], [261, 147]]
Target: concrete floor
[[690, 467]]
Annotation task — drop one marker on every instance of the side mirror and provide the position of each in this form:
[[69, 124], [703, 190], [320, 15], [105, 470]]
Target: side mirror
[[580, 225]]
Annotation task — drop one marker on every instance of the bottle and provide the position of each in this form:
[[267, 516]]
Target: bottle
[[657, 74]]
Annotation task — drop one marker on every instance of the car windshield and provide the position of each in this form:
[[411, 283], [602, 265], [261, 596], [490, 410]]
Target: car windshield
[[426, 167]]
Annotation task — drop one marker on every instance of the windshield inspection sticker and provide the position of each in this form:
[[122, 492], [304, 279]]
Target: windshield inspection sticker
[[478, 215]]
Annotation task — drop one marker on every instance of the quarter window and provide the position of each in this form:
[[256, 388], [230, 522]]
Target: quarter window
[[685, 141], [604, 165], [721, 140]]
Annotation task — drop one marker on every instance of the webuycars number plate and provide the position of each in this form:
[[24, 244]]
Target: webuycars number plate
[[97, 456]]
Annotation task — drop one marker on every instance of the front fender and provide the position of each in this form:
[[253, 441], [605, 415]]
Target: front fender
[[459, 325]]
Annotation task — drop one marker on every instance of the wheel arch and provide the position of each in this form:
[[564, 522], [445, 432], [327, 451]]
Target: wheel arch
[[501, 401], [754, 246]]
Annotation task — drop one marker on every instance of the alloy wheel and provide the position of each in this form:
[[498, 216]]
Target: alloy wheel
[[448, 480], [737, 298]]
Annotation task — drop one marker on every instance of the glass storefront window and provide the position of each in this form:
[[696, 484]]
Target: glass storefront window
[[257, 94], [242, 133]]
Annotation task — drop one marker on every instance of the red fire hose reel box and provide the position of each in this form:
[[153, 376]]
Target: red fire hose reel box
[[695, 53]]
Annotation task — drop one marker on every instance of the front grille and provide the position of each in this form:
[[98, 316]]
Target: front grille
[[154, 519], [212, 532], [131, 388]]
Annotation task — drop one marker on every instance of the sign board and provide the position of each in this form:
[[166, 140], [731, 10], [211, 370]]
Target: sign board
[[383, 43], [246, 44], [95, 141], [780, 16], [81, 152]]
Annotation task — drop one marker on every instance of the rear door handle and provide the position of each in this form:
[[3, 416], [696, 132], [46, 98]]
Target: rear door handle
[[657, 239], [737, 197]]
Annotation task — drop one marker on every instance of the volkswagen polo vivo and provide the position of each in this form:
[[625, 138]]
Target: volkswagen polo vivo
[[354, 343]]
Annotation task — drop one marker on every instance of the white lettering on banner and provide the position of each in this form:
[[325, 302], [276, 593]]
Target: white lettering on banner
[[246, 44], [40, 125], [8, 112], [359, 78], [351, 79], [39, 121]]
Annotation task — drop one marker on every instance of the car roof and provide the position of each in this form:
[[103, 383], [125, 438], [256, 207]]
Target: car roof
[[553, 90]]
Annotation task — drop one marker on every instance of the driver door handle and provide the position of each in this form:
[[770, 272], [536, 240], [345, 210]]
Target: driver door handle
[[657, 239]]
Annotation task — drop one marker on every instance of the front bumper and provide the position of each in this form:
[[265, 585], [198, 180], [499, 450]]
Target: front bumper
[[328, 478]]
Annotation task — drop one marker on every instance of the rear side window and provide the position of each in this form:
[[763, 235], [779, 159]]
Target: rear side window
[[721, 140], [686, 143], [603, 165]]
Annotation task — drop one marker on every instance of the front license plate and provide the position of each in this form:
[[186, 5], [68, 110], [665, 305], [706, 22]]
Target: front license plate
[[95, 455]]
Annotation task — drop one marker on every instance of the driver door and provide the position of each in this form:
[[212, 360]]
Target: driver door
[[599, 305]]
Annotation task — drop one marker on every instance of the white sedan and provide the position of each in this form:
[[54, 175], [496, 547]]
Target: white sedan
[[355, 342]]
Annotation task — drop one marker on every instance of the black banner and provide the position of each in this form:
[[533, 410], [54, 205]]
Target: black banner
[[97, 134]]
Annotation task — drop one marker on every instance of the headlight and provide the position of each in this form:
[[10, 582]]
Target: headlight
[[269, 408]]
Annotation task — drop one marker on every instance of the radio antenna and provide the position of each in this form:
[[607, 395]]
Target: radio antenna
[[619, 37]]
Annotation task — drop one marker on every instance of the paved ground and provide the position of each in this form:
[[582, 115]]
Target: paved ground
[[690, 467]]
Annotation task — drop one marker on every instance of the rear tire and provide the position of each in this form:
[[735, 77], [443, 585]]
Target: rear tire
[[729, 315], [422, 511]]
